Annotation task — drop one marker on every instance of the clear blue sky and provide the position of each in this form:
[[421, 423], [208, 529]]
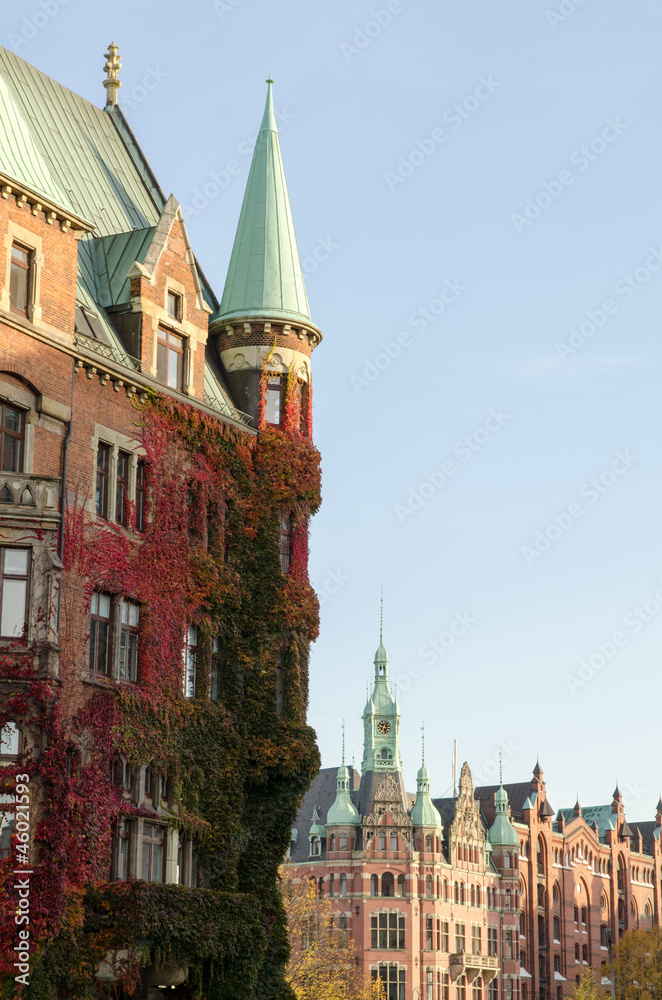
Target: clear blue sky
[[416, 136]]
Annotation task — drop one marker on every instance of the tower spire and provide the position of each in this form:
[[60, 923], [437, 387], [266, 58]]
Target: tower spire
[[501, 767], [423, 744], [343, 742], [381, 619]]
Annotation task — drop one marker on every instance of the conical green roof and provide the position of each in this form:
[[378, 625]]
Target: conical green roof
[[343, 812], [424, 812], [502, 833], [265, 277]]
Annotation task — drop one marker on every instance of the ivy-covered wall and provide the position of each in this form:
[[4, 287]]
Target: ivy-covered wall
[[236, 767]]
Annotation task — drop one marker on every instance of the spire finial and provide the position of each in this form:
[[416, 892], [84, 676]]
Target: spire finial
[[501, 767], [343, 742], [423, 744], [268, 119], [112, 66], [381, 619]]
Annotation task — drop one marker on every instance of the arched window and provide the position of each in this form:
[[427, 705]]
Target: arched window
[[508, 904], [428, 842], [333, 842], [332, 885], [456, 892], [541, 895], [343, 885], [556, 929], [576, 914], [373, 885], [388, 884], [320, 887], [540, 856], [342, 934], [507, 861], [314, 846], [473, 895], [462, 892], [428, 886], [522, 924], [445, 890], [477, 895], [401, 885]]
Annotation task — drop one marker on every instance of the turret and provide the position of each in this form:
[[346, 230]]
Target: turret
[[502, 833], [343, 812], [263, 328], [381, 719], [424, 814]]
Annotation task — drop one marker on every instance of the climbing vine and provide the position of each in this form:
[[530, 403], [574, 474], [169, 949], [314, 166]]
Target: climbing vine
[[236, 768]]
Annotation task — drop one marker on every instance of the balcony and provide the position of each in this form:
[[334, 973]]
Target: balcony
[[29, 500], [464, 964]]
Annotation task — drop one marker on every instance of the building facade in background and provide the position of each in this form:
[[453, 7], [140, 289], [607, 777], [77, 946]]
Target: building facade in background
[[489, 895], [157, 475]]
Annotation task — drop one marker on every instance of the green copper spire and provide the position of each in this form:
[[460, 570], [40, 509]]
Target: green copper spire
[[424, 812], [343, 812], [265, 277], [381, 717], [502, 833]]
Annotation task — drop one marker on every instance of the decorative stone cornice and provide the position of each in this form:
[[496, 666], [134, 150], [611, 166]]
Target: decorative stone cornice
[[54, 214]]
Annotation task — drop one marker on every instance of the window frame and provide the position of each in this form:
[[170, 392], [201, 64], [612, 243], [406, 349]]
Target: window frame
[[190, 656], [22, 577], [178, 300], [151, 842], [28, 267], [273, 399], [6, 432], [169, 341], [122, 472], [141, 495], [129, 638], [102, 479]]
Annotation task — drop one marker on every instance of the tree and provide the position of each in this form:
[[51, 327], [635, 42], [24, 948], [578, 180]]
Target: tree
[[587, 988], [638, 965], [322, 963]]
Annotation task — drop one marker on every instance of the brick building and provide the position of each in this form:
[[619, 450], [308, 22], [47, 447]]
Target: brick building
[[156, 479], [489, 895]]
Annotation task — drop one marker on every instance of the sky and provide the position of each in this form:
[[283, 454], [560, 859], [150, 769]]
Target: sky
[[475, 191]]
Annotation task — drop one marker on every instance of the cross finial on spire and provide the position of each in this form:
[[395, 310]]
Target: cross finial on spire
[[112, 66], [423, 744]]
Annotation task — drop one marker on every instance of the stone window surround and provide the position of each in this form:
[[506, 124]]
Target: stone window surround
[[117, 442], [115, 630]]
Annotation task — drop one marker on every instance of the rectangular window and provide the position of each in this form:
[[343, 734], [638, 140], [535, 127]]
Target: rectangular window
[[382, 840], [12, 431], [429, 985], [392, 981], [103, 464], [459, 938], [129, 641], [122, 486], [394, 841], [475, 941], [461, 991], [169, 358], [387, 931], [19, 279], [190, 657], [444, 936], [15, 593], [174, 305], [428, 933], [153, 855], [215, 680], [121, 851], [100, 633], [272, 405], [285, 544], [491, 940], [445, 986], [141, 495]]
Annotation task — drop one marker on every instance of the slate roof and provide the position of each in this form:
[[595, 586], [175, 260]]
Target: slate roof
[[518, 793], [602, 815], [87, 161], [321, 796]]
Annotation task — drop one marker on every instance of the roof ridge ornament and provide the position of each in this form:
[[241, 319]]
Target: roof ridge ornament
[[112, 66]]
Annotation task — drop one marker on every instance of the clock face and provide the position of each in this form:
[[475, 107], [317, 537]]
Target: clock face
[[383, 727]]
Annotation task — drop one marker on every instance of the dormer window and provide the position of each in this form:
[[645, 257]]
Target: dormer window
[[174, 305]]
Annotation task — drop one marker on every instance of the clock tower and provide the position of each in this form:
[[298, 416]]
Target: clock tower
[[381, 719]]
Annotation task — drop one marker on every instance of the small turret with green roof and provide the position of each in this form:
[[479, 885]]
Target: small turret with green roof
[[502, 833], [381, 718], [424, 813], [343, 812], [263, 323]]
